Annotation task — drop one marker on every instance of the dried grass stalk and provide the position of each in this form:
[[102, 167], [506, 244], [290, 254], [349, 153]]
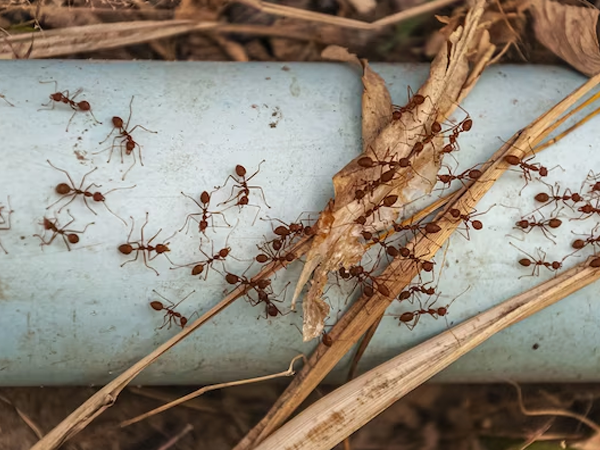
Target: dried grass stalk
[[365, 311], [327, 422]]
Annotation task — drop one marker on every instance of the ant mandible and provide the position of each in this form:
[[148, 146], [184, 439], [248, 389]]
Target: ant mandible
[[67, 99]]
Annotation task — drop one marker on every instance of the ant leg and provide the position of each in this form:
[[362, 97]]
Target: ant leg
[[6, 100], [235, 180], [146, 262], [69, 122], [187, 222], [261, 192], [131, 167], [143, 128], [94, 117], [72, 195], [153, 237], [142, 229], [109, 135], [231, 196], [140, 153]]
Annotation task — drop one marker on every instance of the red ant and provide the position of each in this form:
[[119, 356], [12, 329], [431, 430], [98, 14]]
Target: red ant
[[206, 214], [555, 197], [69, 236], [468, 218], [578, 244], [588, 211], [126, 139], [241, 184], [5, 222], [269, 255], [537, 263], [527, 225], [386, 202], [413, 290], [137, 247], [198, 267], [64, 97], [411, 318], [527, 168], [470, 174], [414, 101], [170, 314], [270, 309], [593, 181], [66, 190], [362, 276]]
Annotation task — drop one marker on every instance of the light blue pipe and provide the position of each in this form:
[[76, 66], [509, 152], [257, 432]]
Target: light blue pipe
[[78, 318]]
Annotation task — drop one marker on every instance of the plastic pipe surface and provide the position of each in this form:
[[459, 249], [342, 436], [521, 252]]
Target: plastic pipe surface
[[78, 317]]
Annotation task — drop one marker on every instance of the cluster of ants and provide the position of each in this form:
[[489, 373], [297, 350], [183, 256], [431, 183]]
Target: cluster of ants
[[277, 250]]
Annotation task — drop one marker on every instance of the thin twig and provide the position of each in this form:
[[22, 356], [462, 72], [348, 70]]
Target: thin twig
[[24, 417], [171, 442], [287, 373]]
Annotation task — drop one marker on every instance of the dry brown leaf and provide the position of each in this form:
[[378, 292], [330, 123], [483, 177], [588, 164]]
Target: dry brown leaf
[[340, 244], [569, 32]]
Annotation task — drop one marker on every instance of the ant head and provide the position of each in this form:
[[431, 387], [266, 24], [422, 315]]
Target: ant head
[[455, 212], [240, 170], [556, 265], [98, 197], [445, 178], [296, 227], [277, 244], [262, 258], [397, 115], [156, 305], [203, 225], [197, 269], [477, 224], [327, 340], [404, 162], [205, 198], [512, 160], [578, 198], [367, 235], [356, 270], [343, 273], [263, 284], [126, 249], [162, 248], [427, 266], [578, 244], [436, 127], [361, 220], [404, 252], [418, 99], [243, 200], [84, 105], [62, 188], [129, 145], [448, 148], [365, 161], [183, 321], [359, 194], [73, 238], [418, 147], [290, 257], [117, 122], [543, 171]]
